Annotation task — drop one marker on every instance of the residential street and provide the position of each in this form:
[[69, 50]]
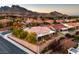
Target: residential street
[[8, 48]]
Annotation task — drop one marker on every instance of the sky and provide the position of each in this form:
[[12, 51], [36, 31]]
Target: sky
[[70, 9]]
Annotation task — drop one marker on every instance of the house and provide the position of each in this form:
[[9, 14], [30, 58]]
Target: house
[[40, 31], [70, 20], [45, 36], [61, 28], [73, 50], [73, 25]]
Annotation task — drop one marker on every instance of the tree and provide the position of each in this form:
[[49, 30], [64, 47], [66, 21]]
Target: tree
[[68, 35], [10, 23], [18, 19], [2, 17], [17, 25], [1, 26], [17, 32], [76, 37], [23, 34], [55, 22], [77, 33], [31, 37]]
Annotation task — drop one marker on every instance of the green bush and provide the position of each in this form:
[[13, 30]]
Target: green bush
[[23, 34], [76, 37], [71, 29], [76, 46], [1, 25], [10, 23], [17, 32], [31, 37]]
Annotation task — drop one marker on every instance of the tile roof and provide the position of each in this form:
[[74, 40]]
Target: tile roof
[[49, 21], [4, 20], [60, 21], [40, 31], [70, 20], [71, 24], [28, 21], [38, 20], [58, 26]]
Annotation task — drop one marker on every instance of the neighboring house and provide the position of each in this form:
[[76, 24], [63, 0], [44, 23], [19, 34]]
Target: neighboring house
[[73, 50], [61, 28], [4, 22], [70, 20], [71, 25]]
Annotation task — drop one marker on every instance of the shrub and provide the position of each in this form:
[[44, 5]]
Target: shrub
[[76, 46], [68, 35], [10, 23], [31, 37], [17, 32], [71, 29], [1, 25], [23, 34], [76, 37], [77, 33]]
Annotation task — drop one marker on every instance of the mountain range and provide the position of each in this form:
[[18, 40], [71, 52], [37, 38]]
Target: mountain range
[[16, 10]]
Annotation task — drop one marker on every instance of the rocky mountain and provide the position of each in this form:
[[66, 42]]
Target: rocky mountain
[[16, 10]]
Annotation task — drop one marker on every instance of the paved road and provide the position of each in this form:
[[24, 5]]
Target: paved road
[[8, 48]]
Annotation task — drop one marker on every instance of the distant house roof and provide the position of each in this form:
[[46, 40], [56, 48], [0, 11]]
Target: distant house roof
[[70, 20], [58, 26], [77, 23], [40, 31], [28, 21], [59, 21], [39, 20], [4, 20], [49, 21], [65, 24], [71, 24]]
